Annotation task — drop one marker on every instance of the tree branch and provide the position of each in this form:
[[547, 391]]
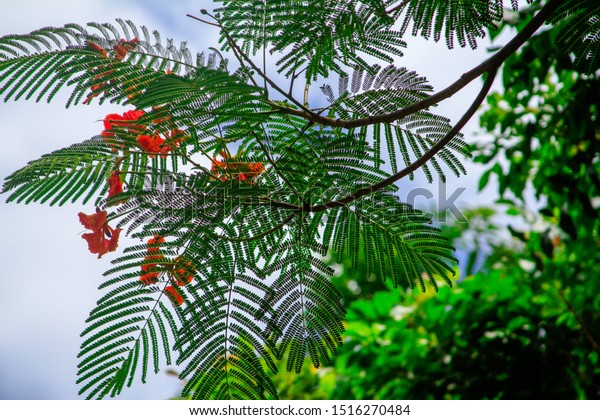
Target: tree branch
[[493, 62], [396, 8], [423, 159], [489, 66]]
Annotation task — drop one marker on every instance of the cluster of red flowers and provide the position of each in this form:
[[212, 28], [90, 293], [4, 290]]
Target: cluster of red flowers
[[126, 122], [103, 238], [157, 145], [179, 271], [154, 144], [232, 168], [149, 271], [118, 127]]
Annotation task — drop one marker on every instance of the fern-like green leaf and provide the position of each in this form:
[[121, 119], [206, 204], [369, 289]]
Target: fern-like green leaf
[[307, 309], [319, 37], [397, 241], [63, 175], [222, 342], [453, 19], [129, 332]]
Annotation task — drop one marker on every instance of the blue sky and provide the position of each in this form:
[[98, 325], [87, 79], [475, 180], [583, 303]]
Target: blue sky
[[49, 278]]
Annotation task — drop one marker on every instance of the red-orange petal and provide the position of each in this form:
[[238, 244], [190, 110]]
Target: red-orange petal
[[174, 295], [94, 222], [149, 275], [98, 48], [115, 185], [99, 244], [113, 242], [150, 144], [152, 241]]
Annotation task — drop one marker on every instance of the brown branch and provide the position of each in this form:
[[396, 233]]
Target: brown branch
[[202, 20], [398, 7], [586, 333], [493, 62], [487, 85], [423, 159]]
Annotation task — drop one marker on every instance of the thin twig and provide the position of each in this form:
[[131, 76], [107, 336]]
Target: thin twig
[[202, 20], [306, 91], [398, 7], [238, 51], [584, 329]]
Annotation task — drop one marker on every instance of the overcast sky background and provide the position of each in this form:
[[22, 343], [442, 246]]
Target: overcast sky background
[[49, 279]]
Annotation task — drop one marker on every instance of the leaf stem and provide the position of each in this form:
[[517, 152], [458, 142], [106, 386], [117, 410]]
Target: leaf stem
[[586, 333]]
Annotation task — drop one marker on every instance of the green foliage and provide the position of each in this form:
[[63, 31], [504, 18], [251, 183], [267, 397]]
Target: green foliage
[[63, 175], [339, 32], [128, 330], [465, 21], [221, 341], [580, 32], [506, 332], [241, 190]]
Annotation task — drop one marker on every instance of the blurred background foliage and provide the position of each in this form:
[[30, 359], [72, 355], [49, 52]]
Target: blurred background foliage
[[523, 319]]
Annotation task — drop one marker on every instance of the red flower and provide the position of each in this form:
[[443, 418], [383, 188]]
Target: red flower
[[149, 273], [151, 241], [115, 185], [233, 168], [123, 47], [258, 168], [94, 222], [217, 164], [174, 295], [133, 114], [98, 48], [183, 272], [176, 136], [124, 121], [103, 238], [110, 120], [151, 144]]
